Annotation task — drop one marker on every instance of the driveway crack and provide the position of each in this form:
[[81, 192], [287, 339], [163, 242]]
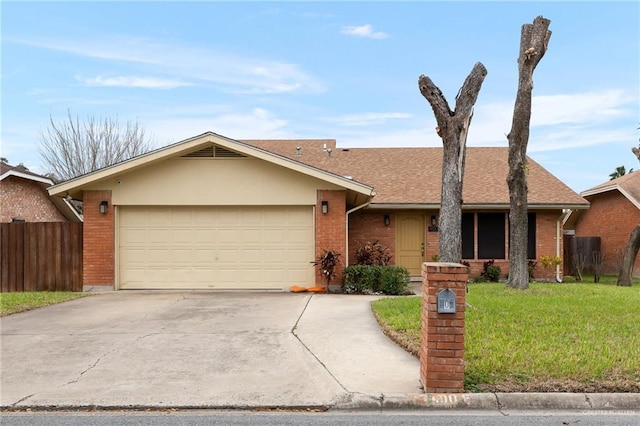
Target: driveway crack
[[293, 331], [22, 399], [101, 357]]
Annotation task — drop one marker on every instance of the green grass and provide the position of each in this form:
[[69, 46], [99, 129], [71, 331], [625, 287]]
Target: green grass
[[552, 337], [12, 303]]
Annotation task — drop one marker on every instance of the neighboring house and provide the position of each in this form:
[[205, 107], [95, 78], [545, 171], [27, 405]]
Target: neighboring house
[[24, 198], [212, 212], [614, 213]]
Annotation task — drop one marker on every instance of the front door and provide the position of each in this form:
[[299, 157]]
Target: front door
[[410, 244]]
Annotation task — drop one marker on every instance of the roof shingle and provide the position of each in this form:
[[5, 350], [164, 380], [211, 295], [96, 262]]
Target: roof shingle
[[413, 175]]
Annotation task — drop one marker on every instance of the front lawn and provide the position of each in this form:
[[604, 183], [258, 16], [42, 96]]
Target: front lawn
[[12, 303], [552, 337]]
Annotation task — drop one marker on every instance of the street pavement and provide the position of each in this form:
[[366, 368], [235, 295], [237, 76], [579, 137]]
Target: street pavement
[[240, 350]]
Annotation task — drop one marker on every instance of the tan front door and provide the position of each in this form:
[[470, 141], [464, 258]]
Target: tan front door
[[410, 244]]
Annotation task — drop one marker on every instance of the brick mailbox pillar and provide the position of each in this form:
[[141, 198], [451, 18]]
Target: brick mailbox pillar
[[442, 339]]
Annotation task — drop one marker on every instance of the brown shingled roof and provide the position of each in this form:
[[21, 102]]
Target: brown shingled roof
[[628, 185], [413, 175]]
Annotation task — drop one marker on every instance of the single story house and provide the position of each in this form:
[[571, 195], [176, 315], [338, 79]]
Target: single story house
[[613, 215], [24, 198], [213, 212]]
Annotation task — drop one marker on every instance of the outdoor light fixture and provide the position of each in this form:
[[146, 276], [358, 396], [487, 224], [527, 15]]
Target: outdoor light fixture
[[325, 207], [103, 207], [433, 227], [387, 220]]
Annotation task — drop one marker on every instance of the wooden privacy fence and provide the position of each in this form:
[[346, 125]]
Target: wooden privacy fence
[[41, 256], [580, 246]]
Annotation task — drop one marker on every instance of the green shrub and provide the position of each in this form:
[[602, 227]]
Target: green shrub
[[490, 271], [371, 279], [394, 280], [360, 279]]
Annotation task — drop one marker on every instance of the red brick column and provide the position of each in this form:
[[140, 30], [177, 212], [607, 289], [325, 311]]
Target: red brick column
[[442, 340], [331, 231], [98, 245]]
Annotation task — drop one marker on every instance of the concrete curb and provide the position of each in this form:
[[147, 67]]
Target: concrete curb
[[491, 401], [432, 401]]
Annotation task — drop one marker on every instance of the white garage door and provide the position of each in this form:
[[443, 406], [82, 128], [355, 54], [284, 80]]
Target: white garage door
[[215, 247]]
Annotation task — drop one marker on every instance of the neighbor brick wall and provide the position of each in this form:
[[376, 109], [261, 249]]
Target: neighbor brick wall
[[27, 200], [611, 217], [442, 334], [98, 240], [331, 230]]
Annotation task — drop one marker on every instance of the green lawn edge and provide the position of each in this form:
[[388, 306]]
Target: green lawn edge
[[552, 337], [16, 302]]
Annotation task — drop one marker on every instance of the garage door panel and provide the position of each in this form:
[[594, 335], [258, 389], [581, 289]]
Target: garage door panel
[[297, 236], [158, 236], [251, 236], [277, 256], [215, 247], [228, 236]]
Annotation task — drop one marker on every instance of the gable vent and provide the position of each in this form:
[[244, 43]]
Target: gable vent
[[214, 152]]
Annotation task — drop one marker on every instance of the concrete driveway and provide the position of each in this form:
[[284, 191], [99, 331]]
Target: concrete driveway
[[200, 349]]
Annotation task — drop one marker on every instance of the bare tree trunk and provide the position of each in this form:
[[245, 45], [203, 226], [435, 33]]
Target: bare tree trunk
[[453, 127], [533, 45], [629, 258]]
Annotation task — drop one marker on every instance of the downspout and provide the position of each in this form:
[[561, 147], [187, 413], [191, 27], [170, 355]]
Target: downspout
[[558, 236], [346, 225]]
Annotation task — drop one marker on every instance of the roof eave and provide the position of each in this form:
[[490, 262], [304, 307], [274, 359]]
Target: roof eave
[[186, 145], [477, 206], [15, 173]]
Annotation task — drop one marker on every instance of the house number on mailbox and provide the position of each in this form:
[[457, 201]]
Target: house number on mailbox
[[446, 301]]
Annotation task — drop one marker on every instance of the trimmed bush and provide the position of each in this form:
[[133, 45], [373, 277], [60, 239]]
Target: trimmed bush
[[394, 280], [371, 279], [490, 271]]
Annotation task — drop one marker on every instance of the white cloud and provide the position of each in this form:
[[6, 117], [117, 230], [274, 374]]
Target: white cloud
[[579, 107], [232, 72], [367, 118], [131, 81], [255, 124], [567, 119], [363, 31]]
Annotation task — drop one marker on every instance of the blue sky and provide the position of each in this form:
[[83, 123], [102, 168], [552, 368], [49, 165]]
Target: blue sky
[[342, 70]]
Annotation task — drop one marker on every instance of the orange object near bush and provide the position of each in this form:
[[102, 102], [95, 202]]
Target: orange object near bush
[[316, 289], [298, 289]]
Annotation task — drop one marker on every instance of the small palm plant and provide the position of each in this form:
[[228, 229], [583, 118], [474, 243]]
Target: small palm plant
[[327, 263]]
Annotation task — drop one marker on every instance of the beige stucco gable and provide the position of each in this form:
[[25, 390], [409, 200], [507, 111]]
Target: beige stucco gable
[[212, 181], [165, 176]]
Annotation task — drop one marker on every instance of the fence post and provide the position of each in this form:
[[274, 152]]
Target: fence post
[[442, 338]]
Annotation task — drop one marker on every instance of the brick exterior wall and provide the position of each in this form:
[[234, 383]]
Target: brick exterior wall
[[546, 236], [98, 253], [28, 200], [611, 217], [368, 225], [330, 230], [442, 338]]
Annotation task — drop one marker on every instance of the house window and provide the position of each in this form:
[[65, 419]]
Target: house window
[[491, 235], [531, 236], [468, 236]]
